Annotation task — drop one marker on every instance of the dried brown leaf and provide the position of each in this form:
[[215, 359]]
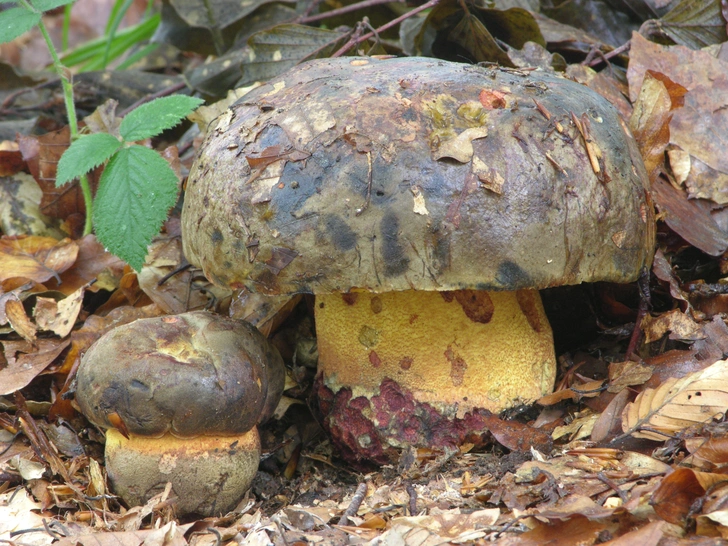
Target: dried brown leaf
[[58, 316], [707, 453], [35, 258], [610, 418], [18, 319], [625, 374], [674, 499], [680, 325], [660, 413], [650, 123]]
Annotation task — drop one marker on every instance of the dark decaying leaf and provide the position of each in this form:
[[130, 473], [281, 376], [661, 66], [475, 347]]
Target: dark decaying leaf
[[471, 35], [219, 74], [453, 33], [272, 52], [596, 17], [688, 219], [215, 13], [514, 26], [692, 23]]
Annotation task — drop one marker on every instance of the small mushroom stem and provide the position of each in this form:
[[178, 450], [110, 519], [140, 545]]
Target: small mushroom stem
[[456, 350], [208, 473]]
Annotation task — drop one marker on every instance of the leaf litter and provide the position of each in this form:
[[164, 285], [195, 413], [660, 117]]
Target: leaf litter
[[628, 450]]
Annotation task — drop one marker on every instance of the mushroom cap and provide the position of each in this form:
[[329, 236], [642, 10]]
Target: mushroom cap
[[209, 474], [191, 374], [416, 173]]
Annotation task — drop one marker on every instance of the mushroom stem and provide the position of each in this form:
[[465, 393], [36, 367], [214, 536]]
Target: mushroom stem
[[455, 350], [207, 473]]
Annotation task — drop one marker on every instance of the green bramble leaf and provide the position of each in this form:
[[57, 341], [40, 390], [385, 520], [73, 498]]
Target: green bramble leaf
[[136, 191], [152, 118], [86, 153], [47, 5], [16, 21]]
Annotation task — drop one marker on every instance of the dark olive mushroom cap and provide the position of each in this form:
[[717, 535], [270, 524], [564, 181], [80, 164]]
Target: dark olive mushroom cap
[[417, 173], [190, 374]]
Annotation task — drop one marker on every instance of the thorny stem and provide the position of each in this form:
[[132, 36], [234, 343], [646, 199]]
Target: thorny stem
[[346, 9], [67, 87], [357, 40]]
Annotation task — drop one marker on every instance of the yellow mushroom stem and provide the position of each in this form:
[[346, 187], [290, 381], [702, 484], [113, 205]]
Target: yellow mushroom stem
[[209, 474], [455, 350]]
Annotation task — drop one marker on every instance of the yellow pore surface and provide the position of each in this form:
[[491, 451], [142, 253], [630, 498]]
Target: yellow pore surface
[[455, 350]]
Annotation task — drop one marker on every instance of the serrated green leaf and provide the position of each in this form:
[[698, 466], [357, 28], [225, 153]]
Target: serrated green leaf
[[135, 193], [86, 153], [152, 118], [16, 21], [47, 5]]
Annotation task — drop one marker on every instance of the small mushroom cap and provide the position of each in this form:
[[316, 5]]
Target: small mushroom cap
[[209, 474], [190, 374], [417, 173]]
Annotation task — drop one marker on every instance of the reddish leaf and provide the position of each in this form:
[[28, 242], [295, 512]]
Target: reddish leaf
[[673, 499]]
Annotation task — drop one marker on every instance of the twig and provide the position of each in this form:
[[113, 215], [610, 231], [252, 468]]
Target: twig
[[394, 22], [353, 508], [622, 494], [643, 284], [149, 98], [412, 506], [346, 9], [604, 57]]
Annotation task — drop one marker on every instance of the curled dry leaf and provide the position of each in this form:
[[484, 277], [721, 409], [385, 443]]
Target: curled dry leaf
[[35, 258], [674, 499], [657, 414]]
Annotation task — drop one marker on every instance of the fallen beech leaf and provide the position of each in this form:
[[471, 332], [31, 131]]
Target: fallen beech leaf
[[660, 413], [674, 498], [93, 262], [649, 535], [680, 325], [707, 453], [58, 316], [18, 513], [650, 123], [663, 271], [35, 258], [610, 418], [24, 362], [569, 532], [628, 373], [18, 319], [579, 428]]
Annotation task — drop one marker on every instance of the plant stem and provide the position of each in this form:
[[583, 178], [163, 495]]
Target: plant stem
[[359, 39], [65, 75], [342, 11]]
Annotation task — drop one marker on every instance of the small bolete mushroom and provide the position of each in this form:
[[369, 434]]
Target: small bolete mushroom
[[181, 396], [424, 203]]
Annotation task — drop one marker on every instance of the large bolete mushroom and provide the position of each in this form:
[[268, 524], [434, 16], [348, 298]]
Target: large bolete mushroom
[[424, 203], [181, 396]]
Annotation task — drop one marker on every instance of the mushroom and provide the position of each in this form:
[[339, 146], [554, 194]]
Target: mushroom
[[424, 203], [180, 397]]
